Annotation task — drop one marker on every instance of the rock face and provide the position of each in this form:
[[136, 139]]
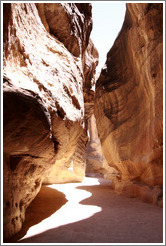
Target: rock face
[[96, 164], [128, 103], [74, 168], [45, 61]]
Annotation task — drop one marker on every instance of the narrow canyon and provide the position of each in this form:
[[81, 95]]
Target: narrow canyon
[[59, 131]]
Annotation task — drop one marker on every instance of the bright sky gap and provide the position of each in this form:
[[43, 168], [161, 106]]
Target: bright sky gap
[[108, 18]]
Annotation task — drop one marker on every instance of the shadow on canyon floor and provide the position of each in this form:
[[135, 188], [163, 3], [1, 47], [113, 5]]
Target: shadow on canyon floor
[[121, 220], [46, 203]]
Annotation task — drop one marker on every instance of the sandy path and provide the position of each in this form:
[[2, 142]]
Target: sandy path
[[89, 212]]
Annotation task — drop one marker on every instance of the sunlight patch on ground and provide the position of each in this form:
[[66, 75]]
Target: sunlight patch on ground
[[72, 211]]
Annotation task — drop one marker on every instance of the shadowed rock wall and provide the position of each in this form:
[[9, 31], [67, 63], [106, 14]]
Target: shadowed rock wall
[[45, 62], [128, 103]]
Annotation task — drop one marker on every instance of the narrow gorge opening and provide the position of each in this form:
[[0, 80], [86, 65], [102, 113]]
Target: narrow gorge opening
[[108, 19]]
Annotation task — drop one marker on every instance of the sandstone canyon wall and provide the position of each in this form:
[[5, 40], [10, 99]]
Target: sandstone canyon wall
[[49, 67], [128, 104], [96, 164], [49, 64]]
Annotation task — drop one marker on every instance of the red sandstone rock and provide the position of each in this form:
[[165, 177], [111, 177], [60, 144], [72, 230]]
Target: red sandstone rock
[[70, 23], [96, 164], [44, 128], [28, 153], [128, 99]]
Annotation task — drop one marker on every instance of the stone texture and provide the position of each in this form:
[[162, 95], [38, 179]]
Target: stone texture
[[44, 123], [90, 61], [96, 164], [128, 99], [28, 153], [70, 23]]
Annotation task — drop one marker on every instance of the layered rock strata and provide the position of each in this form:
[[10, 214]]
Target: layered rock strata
[[44, 84], [128, 103]]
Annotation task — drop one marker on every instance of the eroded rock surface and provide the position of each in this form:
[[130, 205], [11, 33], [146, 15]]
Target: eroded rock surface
[[96, 164], [128, 103], [44, 123]]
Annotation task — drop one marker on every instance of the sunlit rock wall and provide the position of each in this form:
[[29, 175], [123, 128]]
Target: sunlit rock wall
[[45, 62], [96, 164], [128, 103]]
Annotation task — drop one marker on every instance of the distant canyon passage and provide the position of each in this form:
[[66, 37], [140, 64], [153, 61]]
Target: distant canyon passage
[[49, 106]]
